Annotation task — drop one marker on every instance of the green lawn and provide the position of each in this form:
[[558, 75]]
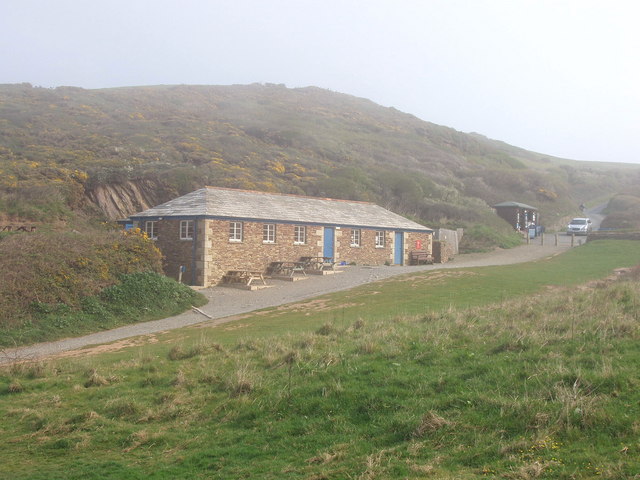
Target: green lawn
[[464, 374], [440, 290]]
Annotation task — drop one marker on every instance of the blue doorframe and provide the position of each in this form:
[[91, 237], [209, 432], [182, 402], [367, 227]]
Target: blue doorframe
[[398, 249], [329, 242]]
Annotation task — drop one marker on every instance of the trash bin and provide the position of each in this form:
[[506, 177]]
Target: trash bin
[[532, 232]]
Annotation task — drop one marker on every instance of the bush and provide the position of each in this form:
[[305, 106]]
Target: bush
[[46, 273], [41, 271], [146, 291], [479, 238], [623, 213], [137, 297]]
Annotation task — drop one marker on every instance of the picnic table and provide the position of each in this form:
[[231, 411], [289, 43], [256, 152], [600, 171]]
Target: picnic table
[[245, 277], [318, 263], [287, 268]]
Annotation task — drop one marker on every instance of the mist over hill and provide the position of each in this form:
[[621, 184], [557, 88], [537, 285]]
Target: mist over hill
[[67, 153]]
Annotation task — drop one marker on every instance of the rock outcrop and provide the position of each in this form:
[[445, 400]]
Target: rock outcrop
[[121, 200]]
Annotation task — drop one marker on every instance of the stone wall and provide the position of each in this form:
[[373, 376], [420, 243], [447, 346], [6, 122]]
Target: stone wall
[[451, 237], [366, 253], [417, 242], [251, 253], [442, 252], [213, 254], [176, 252]]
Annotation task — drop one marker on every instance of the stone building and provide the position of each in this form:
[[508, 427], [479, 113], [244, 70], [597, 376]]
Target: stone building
[[211, 231]]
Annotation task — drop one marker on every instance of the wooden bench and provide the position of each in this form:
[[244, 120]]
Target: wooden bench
[[420, 258], [318, 263], [288, 269], [245, 277]]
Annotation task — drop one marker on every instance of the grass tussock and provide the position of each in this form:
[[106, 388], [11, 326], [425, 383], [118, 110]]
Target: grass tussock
[[430, 422], [543, 386]]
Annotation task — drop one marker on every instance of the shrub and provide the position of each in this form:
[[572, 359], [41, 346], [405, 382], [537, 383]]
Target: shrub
[[480, 238], [95, 285], [46, 273]]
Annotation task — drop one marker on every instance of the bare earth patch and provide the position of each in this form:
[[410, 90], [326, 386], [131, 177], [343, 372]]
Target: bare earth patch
[[111, 347]]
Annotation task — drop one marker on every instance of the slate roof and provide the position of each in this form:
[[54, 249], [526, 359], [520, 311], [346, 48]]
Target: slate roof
[[226, 203], [514, 204]]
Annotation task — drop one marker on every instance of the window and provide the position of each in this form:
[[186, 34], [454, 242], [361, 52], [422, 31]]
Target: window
[[299, 235], [186, 229], [380, 239], [355, 238], [235, 231], [269, 233], [150, 230]]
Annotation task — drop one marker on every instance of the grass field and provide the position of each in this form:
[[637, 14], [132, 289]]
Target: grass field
[[500, 372]]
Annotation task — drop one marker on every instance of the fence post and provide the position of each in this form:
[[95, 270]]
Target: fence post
[[542, 239], [556, 239], [573, 238], [180, 271]]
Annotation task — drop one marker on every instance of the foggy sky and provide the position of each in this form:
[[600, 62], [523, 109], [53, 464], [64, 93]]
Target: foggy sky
[[560, 77]]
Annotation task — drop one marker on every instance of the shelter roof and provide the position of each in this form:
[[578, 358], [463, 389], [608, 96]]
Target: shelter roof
[[514, 204], [227, 203]]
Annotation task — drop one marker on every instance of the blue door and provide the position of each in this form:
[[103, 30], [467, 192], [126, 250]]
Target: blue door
[[327, 250], [398, 249]]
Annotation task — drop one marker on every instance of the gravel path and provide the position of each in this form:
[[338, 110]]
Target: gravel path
[[228, 302]]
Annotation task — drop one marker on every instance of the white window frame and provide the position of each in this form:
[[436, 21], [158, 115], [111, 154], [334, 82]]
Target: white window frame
[[150, 229], [356, 235], [268, 233], [299, 235], [186, 229], [381, 239], [235, 232]]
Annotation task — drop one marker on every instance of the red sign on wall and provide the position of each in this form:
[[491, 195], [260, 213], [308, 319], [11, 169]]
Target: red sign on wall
[[418, 244]]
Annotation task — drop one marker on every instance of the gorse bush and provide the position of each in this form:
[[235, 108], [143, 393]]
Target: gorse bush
[[43, 270], [64, 282]]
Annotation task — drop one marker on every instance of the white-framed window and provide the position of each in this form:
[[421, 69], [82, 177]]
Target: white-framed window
[[355, 237], [269, 233], [299, 235], [235, 231], [380, 239], [186, 229], [150, 229]]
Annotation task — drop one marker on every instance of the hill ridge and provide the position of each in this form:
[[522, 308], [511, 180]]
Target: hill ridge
[[149, 144]]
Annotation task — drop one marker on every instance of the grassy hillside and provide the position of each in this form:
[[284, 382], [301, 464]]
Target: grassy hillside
[[623, 212], [538, 386], [61, 147]]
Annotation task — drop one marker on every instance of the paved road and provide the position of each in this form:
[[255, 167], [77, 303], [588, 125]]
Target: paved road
[[228, 302]]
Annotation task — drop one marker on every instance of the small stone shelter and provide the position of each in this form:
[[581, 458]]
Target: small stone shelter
[[519, 215], [211, 231]]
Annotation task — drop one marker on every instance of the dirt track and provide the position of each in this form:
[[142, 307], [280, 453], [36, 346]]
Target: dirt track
[[228, 302]]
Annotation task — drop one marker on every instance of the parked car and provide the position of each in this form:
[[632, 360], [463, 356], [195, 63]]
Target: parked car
[[579, 226]]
